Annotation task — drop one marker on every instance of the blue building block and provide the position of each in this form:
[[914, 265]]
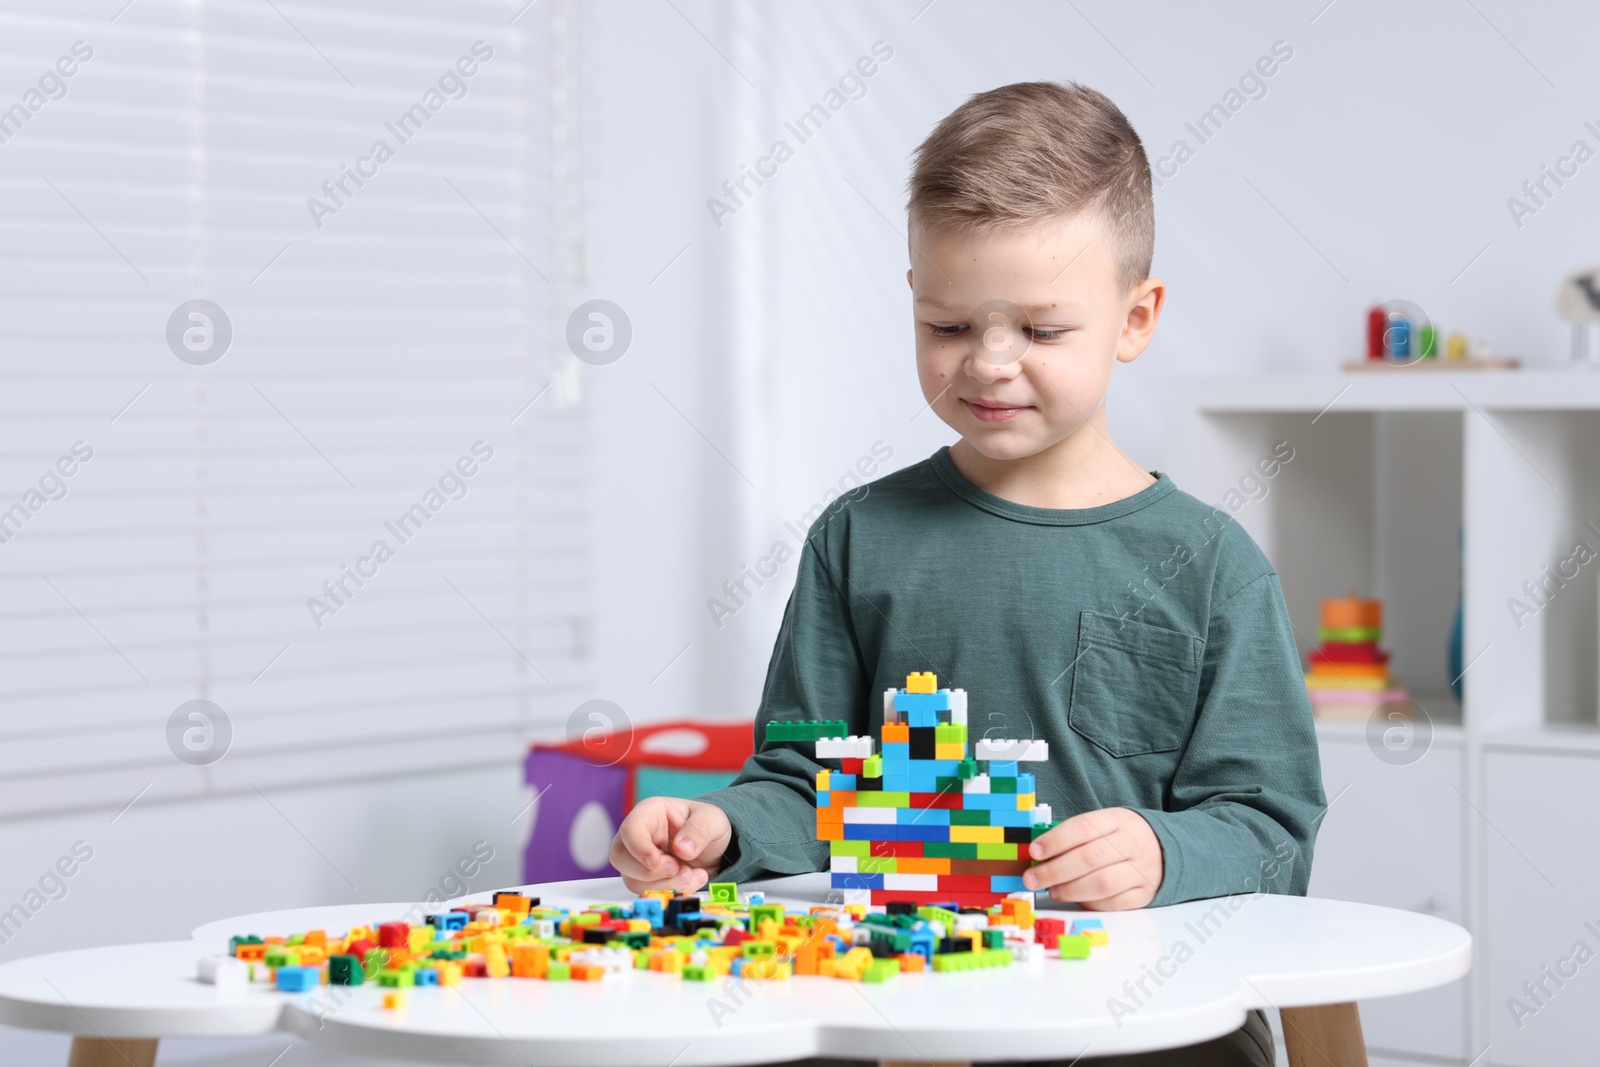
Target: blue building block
[[450, 920], [1025, 783], [755, 898], [427, 976], [1002, 768], [298, 979], [921, 717], [1002, 817], [896, 750], [1007, 883], [926, 817], [845, 880], [840, 780], [934, 702], [647, 908], [1080, 925]]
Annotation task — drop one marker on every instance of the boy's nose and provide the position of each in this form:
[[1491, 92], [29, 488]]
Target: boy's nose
[[988, 364]]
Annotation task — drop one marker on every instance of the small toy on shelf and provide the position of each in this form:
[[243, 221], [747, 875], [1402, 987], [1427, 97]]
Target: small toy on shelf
[[1400, 334], [917, 821], [1348, 676]]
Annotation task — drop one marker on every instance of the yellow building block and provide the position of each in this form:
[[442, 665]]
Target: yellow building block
[[822, 779], [1025, 801], [978, 835], [1096, 937], [950, 750], [922, 682]]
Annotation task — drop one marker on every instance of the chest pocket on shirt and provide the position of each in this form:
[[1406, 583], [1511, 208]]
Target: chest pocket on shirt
[[1134, 685]]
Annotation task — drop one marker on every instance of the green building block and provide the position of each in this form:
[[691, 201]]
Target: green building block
[[950, 733], [345, 970], [999, 850], [698, 972], [880, 971], [281, 956], [759, 949], [938, 915], [397, 978], [950, 850], [872, 767], [974, 817], [873, 798], [1002, 784], [967, 768], [805, 730], [762, 912], [724, 892], [860, 849], [898, 940], [994, 939], [1073, 946], [559, 971]]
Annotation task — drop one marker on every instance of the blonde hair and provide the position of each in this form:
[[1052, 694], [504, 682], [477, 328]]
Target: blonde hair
[[1033, 152]]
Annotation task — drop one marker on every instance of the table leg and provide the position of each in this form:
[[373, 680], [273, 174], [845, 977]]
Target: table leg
[[113, 1052], [1324, 1035]]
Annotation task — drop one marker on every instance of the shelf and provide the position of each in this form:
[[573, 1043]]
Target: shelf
[[1556, 738], [1393, 390]]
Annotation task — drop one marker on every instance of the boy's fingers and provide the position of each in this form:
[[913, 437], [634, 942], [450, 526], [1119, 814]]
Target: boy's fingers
[[642, 837], [1102, 884], [1071, 833], [1090, 856], [700, 830]]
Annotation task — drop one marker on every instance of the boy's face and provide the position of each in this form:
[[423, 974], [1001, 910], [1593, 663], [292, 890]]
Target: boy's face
[[1017, 332]]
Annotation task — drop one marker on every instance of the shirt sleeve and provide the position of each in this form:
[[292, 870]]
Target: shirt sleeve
[[1247, 797], [816, 673]]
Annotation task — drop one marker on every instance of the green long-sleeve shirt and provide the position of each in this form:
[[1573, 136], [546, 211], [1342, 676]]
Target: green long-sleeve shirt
[[1146, 640]]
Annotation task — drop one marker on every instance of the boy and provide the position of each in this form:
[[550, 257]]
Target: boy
[[1076, 597]]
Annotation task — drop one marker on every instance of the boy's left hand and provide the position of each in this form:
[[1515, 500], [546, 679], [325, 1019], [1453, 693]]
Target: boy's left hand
[[1105, 860]]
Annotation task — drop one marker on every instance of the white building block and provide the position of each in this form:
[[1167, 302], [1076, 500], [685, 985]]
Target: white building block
[[958, 706], [1041, 813], [843, 864], [879, 816], [915, 882], [889, 714], [1030, 952], [225, 972], [971, 922], [1011, 749], [851, 747], [978, 783]]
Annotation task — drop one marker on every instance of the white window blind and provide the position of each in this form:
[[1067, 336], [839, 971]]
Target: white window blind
[[386, 336]]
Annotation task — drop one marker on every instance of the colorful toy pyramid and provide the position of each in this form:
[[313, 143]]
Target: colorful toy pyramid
[[1348, 676], [916, 822]]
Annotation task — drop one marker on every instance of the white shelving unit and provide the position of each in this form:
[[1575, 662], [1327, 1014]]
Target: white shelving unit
[[1420, 487]]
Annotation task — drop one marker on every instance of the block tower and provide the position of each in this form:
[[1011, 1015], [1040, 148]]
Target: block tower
[[916, 822]]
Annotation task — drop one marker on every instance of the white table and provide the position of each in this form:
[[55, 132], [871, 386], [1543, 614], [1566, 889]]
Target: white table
[[1215, 960]]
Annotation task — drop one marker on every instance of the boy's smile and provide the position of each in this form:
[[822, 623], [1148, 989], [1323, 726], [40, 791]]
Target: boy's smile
[[1017, 332]]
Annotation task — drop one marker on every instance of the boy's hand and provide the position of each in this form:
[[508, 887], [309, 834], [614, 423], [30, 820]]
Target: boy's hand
[[667, 843], [1105, 860]]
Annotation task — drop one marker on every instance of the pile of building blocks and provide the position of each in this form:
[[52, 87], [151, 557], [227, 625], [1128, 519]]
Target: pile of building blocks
[[663, 931], [917, 822], [1348, 676]]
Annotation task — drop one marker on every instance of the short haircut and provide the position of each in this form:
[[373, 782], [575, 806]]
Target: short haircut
[[1033, 152]]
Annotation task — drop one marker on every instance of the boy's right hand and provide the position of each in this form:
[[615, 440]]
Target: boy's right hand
[[667, 843]]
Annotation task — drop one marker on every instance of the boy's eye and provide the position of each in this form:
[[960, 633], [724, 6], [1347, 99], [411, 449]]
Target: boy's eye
[[945, 331]]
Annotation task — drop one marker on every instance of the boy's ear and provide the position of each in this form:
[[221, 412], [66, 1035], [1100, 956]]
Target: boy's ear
[[1144, 311], [908, 278]]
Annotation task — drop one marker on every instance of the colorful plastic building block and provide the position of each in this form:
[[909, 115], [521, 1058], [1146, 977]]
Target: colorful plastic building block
[[724, 892]]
